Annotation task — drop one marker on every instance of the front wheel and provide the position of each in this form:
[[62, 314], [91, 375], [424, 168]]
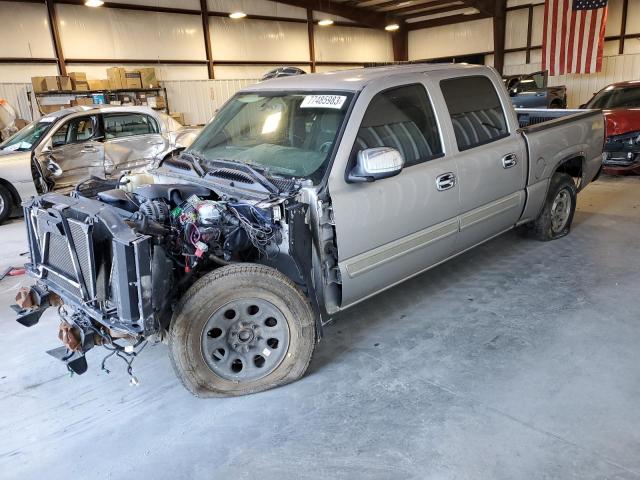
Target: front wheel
[[6, 203], [241, 329], [557, 212]]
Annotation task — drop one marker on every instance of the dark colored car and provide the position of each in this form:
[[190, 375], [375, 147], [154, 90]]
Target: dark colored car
[[531, 91], [620, 103]]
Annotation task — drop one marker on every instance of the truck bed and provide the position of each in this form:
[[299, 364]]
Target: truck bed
[[530, 117]]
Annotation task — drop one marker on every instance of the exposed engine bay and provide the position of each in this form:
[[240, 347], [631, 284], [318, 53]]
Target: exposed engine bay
[[116, 266]]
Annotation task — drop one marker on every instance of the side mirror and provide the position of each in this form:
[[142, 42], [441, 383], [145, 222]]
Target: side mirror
[[54, 168], [375, 164]]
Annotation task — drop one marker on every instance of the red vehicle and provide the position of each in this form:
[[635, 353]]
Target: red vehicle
[[620, 103]]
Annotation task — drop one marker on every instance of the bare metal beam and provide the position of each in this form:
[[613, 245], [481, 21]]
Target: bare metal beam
[[360, 15]]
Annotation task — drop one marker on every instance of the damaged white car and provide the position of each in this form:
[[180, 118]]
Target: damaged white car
[[63, 148]]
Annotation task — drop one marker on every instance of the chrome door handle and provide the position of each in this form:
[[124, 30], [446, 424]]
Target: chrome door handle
[[509, 160], [445, 181]]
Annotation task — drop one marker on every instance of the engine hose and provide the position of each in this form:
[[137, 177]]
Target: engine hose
[[218, 260]]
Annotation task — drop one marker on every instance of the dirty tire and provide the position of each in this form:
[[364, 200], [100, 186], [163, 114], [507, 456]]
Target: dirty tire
[[6, 203], [233, 285], [546, 227]]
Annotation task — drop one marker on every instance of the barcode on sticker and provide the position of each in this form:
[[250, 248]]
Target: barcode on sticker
[[323, 101]]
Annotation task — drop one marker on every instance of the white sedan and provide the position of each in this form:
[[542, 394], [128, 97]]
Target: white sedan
[[59, 150]]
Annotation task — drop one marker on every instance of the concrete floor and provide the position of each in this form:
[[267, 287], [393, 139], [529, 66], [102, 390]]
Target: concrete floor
[[519, 360]]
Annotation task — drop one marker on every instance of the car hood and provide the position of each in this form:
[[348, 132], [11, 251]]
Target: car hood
[[622, 120]]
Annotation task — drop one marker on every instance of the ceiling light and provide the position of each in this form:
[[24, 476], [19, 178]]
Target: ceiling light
[[471, 11], [237, 15], [392, 28], [325, 22], [94, 3]]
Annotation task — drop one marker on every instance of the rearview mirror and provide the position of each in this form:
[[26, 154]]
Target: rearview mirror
[[375, 164]]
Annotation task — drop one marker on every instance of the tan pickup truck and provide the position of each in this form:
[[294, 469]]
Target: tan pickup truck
[[303, 197]]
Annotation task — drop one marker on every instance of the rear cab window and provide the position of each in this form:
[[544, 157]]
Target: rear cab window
[[476, 111]]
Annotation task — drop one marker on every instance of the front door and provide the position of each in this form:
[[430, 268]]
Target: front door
[[491, 159], [393, 228], [76, 153], [133, 141]]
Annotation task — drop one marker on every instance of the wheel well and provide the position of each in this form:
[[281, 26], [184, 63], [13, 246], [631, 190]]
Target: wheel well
[[15, 197], [572, 167]]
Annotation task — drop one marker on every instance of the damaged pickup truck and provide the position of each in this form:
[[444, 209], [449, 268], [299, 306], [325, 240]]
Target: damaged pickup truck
[[304, 196]]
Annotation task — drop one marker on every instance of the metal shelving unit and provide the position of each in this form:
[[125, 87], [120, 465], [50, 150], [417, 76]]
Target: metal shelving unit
[[110, 95]]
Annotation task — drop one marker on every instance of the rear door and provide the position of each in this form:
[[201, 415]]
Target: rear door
[[491, 158], [133, 140], [77, 152], [391, 229]]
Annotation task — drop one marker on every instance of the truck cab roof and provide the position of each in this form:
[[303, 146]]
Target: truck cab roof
[[356, 79]]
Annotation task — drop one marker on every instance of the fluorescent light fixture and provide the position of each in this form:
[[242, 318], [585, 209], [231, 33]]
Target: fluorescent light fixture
[[94, 3], [237, 15], [392, 28], [325, 22]]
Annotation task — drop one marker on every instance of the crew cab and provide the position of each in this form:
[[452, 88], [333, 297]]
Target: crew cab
[[63, 147], [303, 197], [620, 104]]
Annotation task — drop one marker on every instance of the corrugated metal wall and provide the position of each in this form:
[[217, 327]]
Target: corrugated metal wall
[[199, 99], [16, 95]]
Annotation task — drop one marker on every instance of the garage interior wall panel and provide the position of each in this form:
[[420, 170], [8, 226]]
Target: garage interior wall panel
[[24, 31], [516, 28], [18, 72], [335, 68], [452, 40], [115, 33], [633, 17], [200, 99], [163, 71], [257, 7], [17, 94], [185, 4], [352, 44], [258, 40]]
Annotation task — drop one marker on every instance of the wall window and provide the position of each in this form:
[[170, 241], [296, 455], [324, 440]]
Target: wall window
[[127, 125], [76, 130], [401, 118], [475, 109]]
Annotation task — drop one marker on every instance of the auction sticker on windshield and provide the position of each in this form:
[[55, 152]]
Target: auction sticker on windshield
[[323, 101]]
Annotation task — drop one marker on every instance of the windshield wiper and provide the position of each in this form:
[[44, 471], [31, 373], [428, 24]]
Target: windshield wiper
[[257, 176], [196, 160]]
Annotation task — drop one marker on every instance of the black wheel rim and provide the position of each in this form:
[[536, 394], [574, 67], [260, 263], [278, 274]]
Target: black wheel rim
[[245, 339]]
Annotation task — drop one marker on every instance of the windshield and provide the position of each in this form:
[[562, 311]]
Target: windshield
[[288, 134], [620, 97], [27, 138]]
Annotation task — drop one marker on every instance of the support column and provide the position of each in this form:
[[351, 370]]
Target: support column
[[55, 36], [499, 28], [400, 41], [312, 42], [204, 13]]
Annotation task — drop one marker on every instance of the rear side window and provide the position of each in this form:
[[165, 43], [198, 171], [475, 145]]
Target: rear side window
[[76, 130], [401, 118], [475, 109], [127, 125]]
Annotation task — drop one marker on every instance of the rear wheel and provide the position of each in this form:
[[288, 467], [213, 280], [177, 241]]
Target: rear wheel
[[6, 203], [241, 329], [557, 213]]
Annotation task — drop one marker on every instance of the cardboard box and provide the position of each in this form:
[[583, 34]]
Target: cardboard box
[[133, 80], [45, 109], [117, 78], [87, 101], [64, 83], [156, 102], [148, 78], [98, 84], [51, 84], [79, 81], [38, 84]]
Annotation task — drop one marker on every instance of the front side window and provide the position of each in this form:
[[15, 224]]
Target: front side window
[[291, 134], [128, 124], [401, 118], [76, 130], [475, 109]]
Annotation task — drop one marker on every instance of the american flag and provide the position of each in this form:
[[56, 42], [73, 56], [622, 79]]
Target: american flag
[[573, 36]]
